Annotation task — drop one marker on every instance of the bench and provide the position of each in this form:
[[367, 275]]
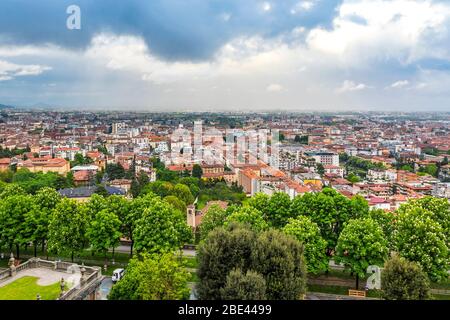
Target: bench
[[357, 293]]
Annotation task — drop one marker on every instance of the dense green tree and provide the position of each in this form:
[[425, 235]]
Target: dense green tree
[[240, 286], [361, 244], [249, 216], [330, 211], [115, 171], [320, 169], [279, 258], [275, 256], [134, 212], [99, 177], [430, 169], [153, 277], [215, 217], [38, 220], [219, 190], [279, 210], [67, 228], [301, 139], [160, 188], [419, 238], [6, 175], [161, 228], [176, 203], [70, 182], [103, 231], [31, 182], [308, 233], [222, 251], [260, 202], [193, 184], [11, 190], [197, 171], [137, 184], [135, 188], [15, 228], [183, 193], [80, 160], [358, 206], [386, 221], [120, 206], [404, 280], [95, 204], [440, 209], [353, 178]]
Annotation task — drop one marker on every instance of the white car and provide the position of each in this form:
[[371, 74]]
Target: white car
[[117, 275]]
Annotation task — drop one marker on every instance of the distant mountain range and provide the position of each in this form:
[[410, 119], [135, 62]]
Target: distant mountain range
[[3, 106]]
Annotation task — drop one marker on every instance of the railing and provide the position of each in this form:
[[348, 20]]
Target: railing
[[94, 275], [4, 274], [22, 266], [45, 264], [76, 291]]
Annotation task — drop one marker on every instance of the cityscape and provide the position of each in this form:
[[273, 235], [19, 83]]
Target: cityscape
[[137, 163]]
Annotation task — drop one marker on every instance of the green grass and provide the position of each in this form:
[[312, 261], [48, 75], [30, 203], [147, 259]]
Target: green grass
[[194, 278], [444, 285], [191, 262], [339, 290], [26, 288], [440, 297]]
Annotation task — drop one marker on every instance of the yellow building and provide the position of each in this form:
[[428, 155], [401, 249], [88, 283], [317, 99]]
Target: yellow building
[[45, 165]]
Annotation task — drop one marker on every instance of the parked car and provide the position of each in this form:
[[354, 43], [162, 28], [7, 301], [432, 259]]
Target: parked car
[[117, 275]]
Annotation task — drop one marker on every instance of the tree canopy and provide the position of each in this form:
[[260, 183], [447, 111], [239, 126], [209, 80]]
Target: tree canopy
[[153, 277]]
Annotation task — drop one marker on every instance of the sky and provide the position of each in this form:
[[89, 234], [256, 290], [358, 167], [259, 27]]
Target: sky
[[227, 55]]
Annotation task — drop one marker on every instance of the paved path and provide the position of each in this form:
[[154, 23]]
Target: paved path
[[46, 277], [105, 288]]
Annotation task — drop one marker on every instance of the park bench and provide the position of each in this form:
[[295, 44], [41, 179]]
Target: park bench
[[356, 293]]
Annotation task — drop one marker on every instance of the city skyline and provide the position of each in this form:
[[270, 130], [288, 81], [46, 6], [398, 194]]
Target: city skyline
[[316, 55]]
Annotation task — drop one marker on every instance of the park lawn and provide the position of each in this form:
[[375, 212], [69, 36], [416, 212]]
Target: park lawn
[[194, 278], [440, 297], [191, 262], [26, 288], [339, 290]]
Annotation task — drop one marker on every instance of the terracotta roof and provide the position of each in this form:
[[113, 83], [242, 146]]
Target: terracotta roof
[[5, 161], [81, 176]]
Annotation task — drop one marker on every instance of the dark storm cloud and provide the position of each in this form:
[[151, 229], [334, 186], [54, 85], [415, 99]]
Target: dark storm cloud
[[173, 29]]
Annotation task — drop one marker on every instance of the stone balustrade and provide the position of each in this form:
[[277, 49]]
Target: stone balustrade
[[90, 277]]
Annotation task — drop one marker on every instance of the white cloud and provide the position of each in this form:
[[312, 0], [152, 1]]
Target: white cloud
[[350, 86], [399, 84], [400, 30], [9, 71], [275, 87], [367, 38], [421, 86], [226, 16], [303, 6], [266, 6]]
